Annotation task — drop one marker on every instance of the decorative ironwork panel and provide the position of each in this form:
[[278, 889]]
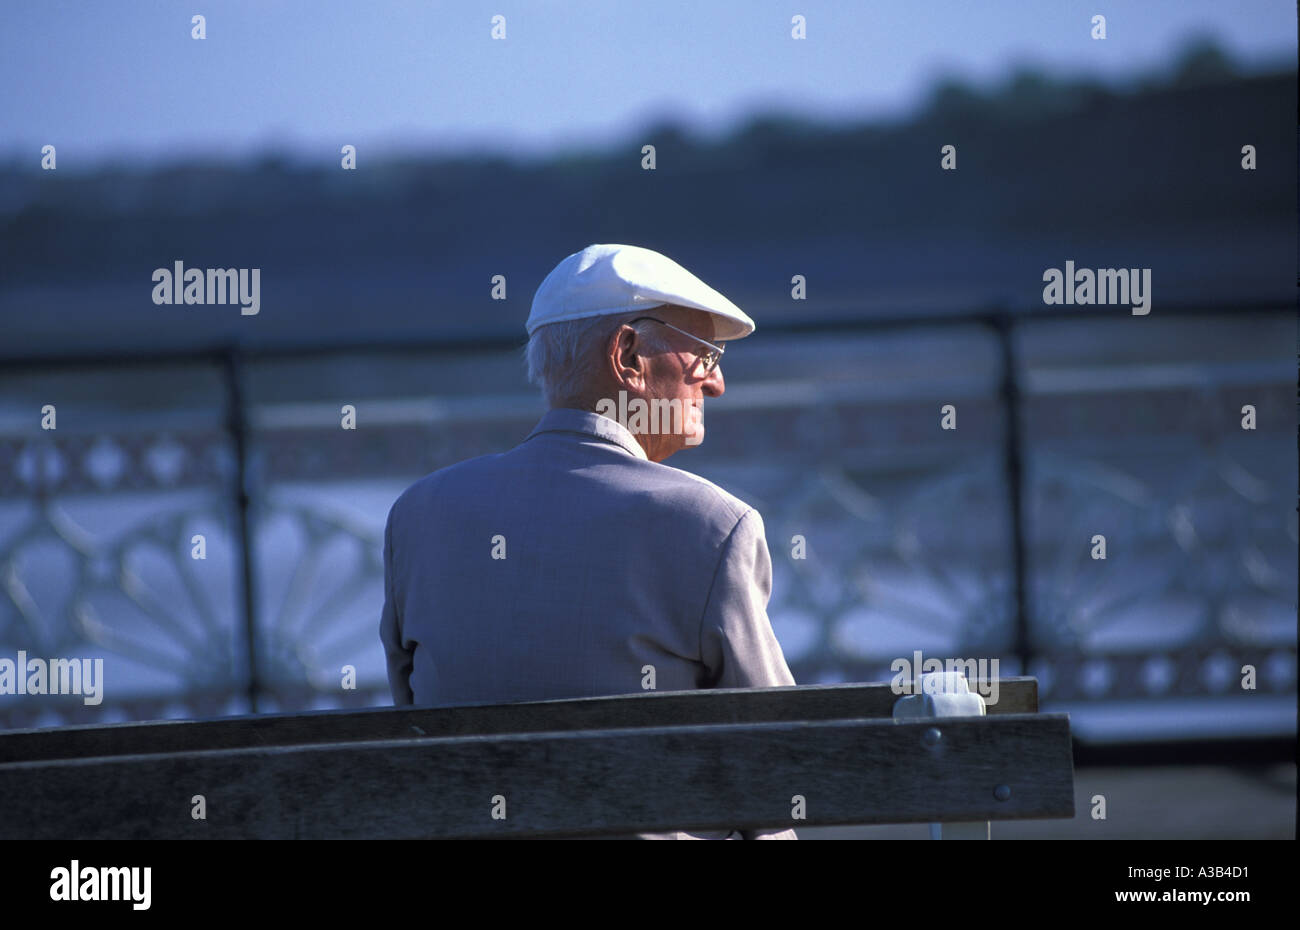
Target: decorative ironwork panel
[[888, 533]]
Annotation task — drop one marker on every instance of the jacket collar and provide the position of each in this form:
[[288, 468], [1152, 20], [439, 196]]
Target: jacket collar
[[567, 420]]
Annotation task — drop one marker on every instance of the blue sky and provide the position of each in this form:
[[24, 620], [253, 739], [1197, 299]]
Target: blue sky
[[125, 80]]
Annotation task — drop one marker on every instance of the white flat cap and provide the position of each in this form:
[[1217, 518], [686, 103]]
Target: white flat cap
[[606, 279]]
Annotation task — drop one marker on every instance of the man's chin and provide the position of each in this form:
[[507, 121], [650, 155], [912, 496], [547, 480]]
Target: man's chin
[[680, 441], [693, 428]]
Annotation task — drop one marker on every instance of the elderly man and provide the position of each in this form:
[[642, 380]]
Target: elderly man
[[566, 566]]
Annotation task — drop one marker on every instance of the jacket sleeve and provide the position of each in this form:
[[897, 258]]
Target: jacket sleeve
[[399, 656], [737, 645]]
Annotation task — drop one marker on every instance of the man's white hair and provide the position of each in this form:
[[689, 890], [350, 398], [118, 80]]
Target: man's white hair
[[562, 357]]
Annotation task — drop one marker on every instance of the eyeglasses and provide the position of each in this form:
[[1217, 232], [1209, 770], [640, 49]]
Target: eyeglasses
[[711, 358]]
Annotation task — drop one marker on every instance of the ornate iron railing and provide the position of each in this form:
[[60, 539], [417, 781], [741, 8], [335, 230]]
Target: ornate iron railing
[[973, 542]]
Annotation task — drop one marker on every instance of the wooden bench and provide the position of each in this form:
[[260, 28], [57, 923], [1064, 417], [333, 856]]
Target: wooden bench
[[653, 762]]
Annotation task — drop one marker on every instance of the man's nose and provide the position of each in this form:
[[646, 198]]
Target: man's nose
[[713, 385]]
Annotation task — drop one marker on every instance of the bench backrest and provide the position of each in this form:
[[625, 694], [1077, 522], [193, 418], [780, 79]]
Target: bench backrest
[[670, 708], [700, 760]]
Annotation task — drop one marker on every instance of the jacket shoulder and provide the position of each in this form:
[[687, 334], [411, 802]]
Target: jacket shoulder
[[682, 489], [451, 475]]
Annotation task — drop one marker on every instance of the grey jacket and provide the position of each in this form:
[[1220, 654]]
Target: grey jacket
[[566, 566]]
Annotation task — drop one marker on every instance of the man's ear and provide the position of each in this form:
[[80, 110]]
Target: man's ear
[[626, 363]]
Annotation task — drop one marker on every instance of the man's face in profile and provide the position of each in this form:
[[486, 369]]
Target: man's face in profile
[[678, 373]]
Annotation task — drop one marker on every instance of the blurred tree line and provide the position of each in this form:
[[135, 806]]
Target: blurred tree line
[[1040, 159]]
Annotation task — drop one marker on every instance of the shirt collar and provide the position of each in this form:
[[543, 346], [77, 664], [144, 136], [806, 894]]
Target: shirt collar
[[568, 420]]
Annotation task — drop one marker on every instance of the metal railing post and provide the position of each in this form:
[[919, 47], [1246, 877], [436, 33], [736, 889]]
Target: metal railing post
[[1013, 462], [237, 426]]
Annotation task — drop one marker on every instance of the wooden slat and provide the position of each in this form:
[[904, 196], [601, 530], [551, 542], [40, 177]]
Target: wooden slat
[[667, 708], [652, 779]]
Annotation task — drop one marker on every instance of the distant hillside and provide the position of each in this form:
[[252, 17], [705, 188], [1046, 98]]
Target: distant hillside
[[1046, 172]]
